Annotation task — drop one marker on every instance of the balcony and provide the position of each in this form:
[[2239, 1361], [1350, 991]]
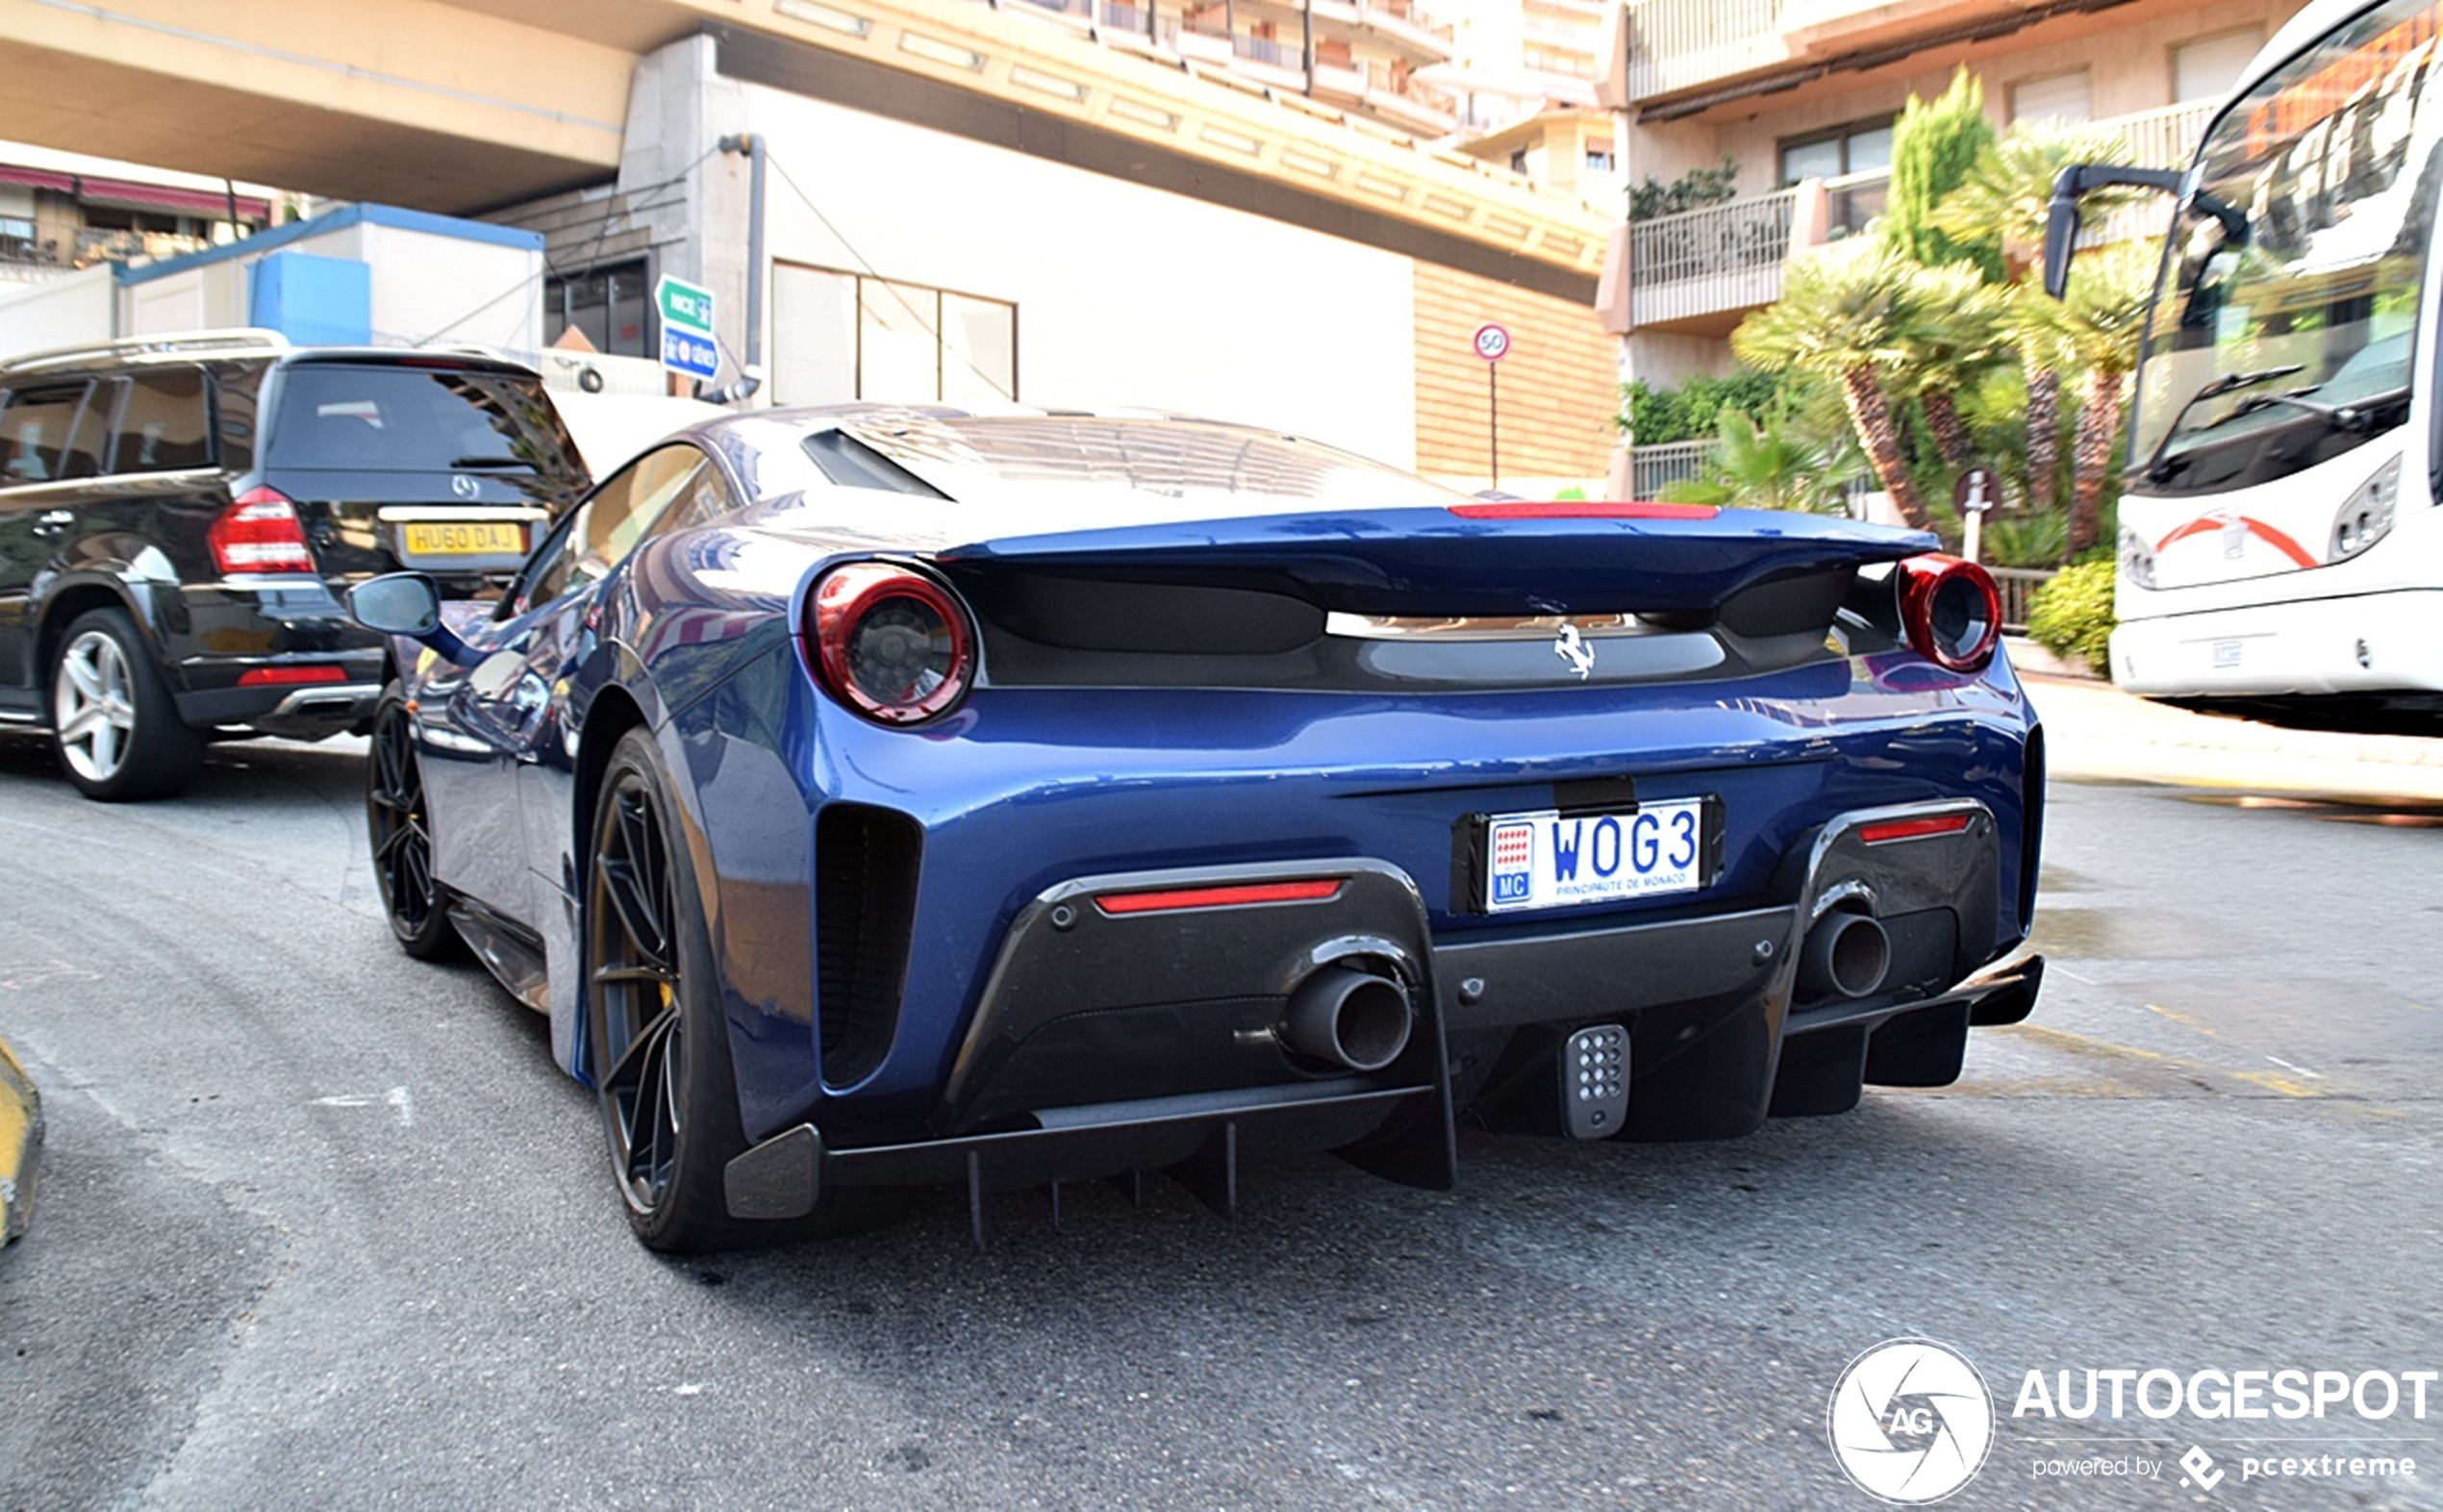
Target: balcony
[[1391, 26], [1700, 267], [1685, 44]]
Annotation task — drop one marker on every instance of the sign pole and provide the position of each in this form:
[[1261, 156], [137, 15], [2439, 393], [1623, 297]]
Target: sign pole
[[1491, 342], [1493, 411]]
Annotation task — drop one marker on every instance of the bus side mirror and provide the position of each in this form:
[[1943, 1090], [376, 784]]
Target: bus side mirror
[[2060, 233], [2072, 183]]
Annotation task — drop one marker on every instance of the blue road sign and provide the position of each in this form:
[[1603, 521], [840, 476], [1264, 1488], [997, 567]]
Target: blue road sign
[[690, 352]]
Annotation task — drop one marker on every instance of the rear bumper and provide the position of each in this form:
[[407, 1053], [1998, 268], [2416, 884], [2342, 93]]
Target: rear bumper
[[1113, 1040]]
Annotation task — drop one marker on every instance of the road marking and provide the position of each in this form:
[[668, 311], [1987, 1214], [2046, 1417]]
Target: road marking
[[17, 978], [2184, 1020], [2301, 1070], [2087, 1045], [396, 1099]]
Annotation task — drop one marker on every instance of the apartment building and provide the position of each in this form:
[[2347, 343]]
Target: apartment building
[[61, 212], [1364, 56], [1801, 96]]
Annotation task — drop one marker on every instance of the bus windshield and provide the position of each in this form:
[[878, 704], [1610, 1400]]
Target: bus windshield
[[2281, 331]]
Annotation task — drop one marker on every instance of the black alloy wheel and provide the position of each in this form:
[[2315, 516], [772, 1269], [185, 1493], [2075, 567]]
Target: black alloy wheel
[[659, 1047], [658, 1038], [400, 833]]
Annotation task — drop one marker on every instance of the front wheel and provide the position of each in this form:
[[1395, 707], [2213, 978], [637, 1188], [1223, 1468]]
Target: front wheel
[[400, 831], [113, 727]]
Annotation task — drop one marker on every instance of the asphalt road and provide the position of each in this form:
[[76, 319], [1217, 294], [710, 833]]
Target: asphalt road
[[322, 1226]]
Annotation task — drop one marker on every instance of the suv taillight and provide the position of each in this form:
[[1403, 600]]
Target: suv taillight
[[1951, 610], [889, 641], [259, 533]]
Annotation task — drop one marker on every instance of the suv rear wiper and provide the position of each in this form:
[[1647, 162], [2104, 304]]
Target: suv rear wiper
[[2156, 465], [491, 462]]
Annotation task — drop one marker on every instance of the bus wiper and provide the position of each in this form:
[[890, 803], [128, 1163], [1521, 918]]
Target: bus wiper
[[491, 462], [2157, 466], [2356, 418]]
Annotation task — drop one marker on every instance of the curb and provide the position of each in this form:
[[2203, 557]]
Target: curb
[[20, 1145]]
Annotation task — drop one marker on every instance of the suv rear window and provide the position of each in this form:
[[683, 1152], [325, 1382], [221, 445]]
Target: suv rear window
[[381, 418]]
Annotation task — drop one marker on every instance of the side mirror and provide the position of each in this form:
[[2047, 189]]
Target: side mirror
[[397, 603], [2072, 182], [2060, 233]]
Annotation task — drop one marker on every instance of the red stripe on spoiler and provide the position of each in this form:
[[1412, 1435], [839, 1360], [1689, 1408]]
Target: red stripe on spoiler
[[1583, 509], [1219, 897]]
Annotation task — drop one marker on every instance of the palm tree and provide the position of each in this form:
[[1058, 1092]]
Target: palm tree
[[1957, 333], [2008, 190], [1849, 319], [2004, 200], [2096, 327], [1769, 466]]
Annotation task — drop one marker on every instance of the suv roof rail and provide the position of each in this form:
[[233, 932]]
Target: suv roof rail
[[238, 339]]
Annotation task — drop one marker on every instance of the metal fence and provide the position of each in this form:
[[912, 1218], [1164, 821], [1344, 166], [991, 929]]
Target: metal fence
[[1651, 467], [2018, 585]]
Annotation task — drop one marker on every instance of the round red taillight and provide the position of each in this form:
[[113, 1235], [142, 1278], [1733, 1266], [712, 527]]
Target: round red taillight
[[1951, 610], [890, 642]]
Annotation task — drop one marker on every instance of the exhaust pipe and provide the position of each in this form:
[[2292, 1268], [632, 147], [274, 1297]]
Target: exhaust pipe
[[1846, 955], [1347, 1017]]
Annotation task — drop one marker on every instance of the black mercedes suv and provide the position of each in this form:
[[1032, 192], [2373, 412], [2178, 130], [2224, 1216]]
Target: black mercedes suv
[[179, 516]]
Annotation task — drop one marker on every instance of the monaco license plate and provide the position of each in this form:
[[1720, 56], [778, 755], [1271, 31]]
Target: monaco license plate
[[471, 539], [1554, 859]]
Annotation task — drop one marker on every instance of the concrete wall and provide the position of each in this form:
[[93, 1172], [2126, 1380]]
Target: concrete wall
[[1125, 295], [56, 312]]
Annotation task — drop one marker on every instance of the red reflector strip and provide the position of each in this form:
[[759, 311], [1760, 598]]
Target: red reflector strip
[[1219, 897], [259, 676], [1913, 828], [1583, 509]]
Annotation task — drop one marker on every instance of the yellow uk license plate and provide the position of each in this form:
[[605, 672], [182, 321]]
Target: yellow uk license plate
[[433, 539]]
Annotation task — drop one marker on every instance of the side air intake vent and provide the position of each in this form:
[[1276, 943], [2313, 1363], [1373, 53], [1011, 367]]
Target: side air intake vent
[[866, 862]]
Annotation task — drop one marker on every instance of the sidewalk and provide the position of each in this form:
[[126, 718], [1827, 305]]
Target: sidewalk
[[2095, 731]]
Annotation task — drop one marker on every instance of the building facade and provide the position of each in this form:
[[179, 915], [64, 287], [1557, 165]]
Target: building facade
[[1800, 97], [973, 207]]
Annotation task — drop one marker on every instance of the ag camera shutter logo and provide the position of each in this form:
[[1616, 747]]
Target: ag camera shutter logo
[[1911, 1421]]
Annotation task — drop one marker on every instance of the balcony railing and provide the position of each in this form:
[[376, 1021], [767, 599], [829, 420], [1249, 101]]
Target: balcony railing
[[1652, 469], [1681, 44], [1703, 262], [2165, 137]]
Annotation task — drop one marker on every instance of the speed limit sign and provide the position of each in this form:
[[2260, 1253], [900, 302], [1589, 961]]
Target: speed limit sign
[[1491, 342]]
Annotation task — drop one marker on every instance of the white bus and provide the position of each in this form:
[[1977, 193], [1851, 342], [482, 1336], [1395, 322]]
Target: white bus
[[2281, 521]]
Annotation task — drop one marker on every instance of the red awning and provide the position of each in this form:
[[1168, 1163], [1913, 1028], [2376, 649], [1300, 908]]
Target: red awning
[[208, 203], [128, 194]]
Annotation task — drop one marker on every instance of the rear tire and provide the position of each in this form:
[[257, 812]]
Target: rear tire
[[114, 729], [399, 828], [658, 1038]]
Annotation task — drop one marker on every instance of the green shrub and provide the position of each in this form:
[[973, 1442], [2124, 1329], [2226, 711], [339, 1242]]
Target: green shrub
[[1935, 144], [2071, 615], [2026, 539], [1693, 189], [1693, 411]]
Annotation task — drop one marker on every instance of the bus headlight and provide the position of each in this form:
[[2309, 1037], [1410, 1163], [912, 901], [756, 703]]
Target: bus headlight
[[2137, 559], [2366, 516]]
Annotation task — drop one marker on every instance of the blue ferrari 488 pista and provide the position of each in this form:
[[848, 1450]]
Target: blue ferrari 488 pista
[[877, 798]]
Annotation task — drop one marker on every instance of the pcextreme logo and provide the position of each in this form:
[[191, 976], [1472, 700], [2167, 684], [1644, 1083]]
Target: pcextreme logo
[[1911, 1421]]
